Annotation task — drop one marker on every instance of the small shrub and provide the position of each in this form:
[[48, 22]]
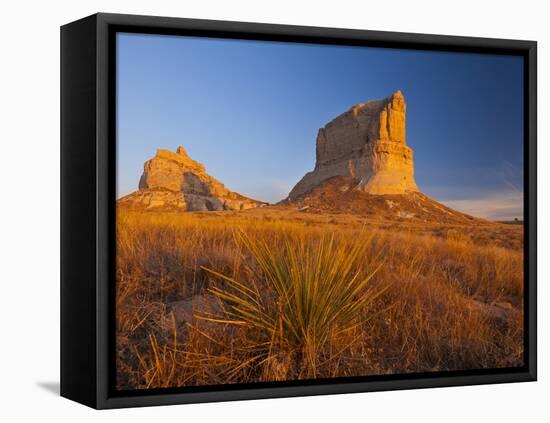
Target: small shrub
[[319, 291]]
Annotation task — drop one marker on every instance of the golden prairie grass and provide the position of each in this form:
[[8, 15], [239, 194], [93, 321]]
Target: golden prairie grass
[[297, 299], [312, 291]]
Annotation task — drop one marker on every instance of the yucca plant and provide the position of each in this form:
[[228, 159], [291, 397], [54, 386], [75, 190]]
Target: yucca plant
[[318, 289]]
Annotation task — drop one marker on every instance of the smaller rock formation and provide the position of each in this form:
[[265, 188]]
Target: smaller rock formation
[[174, 180], [366, 143]]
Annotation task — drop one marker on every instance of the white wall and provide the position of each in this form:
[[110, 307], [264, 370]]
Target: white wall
[[29, 206]]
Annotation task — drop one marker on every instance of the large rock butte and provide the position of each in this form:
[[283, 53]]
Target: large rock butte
[[367, 143], [174, 180]]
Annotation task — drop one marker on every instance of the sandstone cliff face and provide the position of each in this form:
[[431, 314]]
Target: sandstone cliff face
[[367, 143], [174, 180]]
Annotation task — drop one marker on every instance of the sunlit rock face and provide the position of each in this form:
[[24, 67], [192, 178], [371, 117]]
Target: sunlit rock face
[[174, 180], [367, 143]]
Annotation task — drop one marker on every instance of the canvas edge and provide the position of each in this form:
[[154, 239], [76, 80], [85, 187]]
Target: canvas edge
[[78, 332]]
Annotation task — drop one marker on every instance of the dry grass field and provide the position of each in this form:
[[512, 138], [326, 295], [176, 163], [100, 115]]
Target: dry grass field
[[272, 294]]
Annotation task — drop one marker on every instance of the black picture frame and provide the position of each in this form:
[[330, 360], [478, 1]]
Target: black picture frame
[[88, 166]]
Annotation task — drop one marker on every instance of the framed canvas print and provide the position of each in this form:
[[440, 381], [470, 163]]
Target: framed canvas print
[[256, 211]]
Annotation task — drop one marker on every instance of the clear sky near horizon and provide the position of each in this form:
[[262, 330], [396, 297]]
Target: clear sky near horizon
[[250, 112]]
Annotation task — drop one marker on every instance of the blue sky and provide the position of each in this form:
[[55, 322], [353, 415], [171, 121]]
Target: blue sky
[[250, 112]]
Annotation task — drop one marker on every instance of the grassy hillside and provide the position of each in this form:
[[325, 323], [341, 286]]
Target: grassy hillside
[[272, 294]]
